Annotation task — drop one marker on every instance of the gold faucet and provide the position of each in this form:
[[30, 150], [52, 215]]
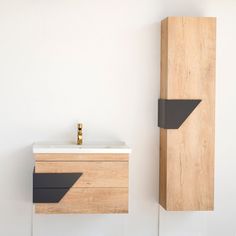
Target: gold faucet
[[80, 134]]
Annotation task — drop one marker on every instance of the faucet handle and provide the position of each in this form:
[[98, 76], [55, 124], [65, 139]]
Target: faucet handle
[[80, 126], [80, 134]]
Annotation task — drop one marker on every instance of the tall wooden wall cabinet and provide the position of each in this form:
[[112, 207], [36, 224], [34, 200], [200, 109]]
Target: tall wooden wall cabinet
[[187, 113]]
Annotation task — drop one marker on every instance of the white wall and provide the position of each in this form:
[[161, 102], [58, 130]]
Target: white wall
[[63, 61]]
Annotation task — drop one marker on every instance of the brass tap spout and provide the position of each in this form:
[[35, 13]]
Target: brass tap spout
[[80, 134]]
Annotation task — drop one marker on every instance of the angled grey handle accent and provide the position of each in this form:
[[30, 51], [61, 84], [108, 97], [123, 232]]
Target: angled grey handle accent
[[173, 112], [51, 187]]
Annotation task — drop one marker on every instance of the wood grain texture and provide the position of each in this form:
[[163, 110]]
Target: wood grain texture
[[80, 157], [188, 46], [88, 200], [95, 174], [163, 133]]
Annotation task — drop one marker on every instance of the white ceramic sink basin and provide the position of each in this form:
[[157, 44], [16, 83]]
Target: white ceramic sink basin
[[118, 147]]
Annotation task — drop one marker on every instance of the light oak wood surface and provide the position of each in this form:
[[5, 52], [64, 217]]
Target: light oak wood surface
[[188, 46], [95, 174], [102, 188], [80, 157], [88, 200]]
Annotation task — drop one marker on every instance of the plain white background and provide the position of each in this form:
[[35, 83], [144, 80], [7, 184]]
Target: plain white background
[[97, 61]]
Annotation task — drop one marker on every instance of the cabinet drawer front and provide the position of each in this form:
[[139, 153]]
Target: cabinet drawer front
[[95, 174], [48, 195], [81, 156], [88, 200], [55, 180]]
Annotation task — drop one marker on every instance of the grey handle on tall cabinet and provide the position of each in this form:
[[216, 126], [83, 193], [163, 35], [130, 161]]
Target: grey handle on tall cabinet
[[173, 112]]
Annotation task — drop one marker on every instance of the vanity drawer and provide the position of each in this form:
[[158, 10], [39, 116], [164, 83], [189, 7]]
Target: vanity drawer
[[81, 156], [88, 200], [94, 174], [81, 182]]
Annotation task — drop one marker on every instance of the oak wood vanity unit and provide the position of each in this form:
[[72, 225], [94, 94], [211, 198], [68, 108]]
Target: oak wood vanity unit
[[81, 179]]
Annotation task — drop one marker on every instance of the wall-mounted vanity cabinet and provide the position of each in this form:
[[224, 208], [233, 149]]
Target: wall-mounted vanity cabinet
[[187, 113], [81, 179]]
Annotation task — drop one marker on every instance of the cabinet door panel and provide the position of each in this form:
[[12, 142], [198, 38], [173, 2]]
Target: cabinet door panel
[[94, 174], [188, 46]]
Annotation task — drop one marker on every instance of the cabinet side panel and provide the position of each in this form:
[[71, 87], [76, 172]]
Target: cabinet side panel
[[191, 75], [164, 58], [163, 132], [163, 169]]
